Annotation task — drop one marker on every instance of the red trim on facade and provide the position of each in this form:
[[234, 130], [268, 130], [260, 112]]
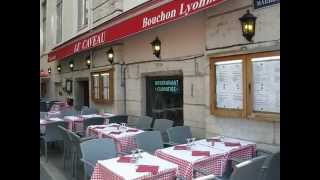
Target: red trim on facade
[[161, 15]]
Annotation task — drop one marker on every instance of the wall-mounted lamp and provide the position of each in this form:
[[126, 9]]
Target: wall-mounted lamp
[[156, 46], [71, 65], [248, 24], [110, 55], [59, 67], [88, 62], [49, 70]]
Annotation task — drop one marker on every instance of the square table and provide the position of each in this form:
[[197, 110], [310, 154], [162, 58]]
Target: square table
[[44, 122], [125, 141], [76, 122], [112, 170], [215, 163]]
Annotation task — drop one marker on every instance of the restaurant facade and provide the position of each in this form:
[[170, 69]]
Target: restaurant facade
[[205, 74]]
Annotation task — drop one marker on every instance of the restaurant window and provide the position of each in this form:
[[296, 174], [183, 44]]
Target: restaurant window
[[83, 9], [102, 86], [246, 86], [44, 25], [59, 21]]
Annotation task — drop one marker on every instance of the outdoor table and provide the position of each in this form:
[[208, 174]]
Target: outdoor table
[[124, 139], [44, 122], [75, 123], [215, 163], [111, 169]]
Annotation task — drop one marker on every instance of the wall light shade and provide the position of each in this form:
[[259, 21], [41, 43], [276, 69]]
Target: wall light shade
[[156, 46], [71, 65], [49, 70], [110, 55], [59, 67], [248, 23], [88, 61]]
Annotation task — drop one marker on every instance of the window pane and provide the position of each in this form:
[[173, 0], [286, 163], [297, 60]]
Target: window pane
[[59, 21], [80, 13], [229, 84], [95, 78], [105, 80], [266, 84]]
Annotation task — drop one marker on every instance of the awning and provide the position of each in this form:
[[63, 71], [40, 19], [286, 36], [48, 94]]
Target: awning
[[161, 15], [44, 74]]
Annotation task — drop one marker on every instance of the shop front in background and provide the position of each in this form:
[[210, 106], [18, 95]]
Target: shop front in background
[[165, 98]]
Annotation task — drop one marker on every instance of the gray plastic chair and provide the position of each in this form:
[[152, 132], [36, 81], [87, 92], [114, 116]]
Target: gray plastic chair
[[271, 169], [94, 150], [43, 115], [52, 134], [67, 145], [162, 125], [149, 141], [91, 121], [118, 119], [69, 112], [179, 134], [76, 150], [144, 122], [88, 111], [43, 106]]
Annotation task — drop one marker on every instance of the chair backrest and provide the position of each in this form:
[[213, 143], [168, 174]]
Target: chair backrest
[[273, 168], [69, 112], [249, 169], [43, 114], [149, 141], [88, 111], [75, 141], [97, 149], [144, 122], [92, 121], [43, 106], [65, 135], [118, 119], [52, 132], [179, 134], [162, 125]]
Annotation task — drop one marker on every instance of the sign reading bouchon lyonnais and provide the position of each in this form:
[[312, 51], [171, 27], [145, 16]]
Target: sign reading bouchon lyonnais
[[264, 3], [163, 14]]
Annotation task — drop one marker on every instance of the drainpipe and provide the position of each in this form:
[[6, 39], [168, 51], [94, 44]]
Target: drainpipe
[[123, 85]]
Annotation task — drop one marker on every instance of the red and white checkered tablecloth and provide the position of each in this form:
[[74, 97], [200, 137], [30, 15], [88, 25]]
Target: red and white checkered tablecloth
[[102, 172], [212, 164], [75, 123], [124, 142]]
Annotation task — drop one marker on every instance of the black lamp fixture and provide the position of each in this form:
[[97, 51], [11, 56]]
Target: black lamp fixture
[[49, 70], [156, 46], [59, 67], [248, 23], [71, 65], [110, 55], [88, 62]]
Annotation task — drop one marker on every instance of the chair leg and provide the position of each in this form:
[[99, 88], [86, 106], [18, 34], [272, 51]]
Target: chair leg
[[46, 150]]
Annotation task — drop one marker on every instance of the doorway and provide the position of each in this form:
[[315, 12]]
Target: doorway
[[165, 98], [83, 93]]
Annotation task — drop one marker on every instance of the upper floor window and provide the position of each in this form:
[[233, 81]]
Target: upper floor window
[[44, 25], [59, 20], [83, 9]]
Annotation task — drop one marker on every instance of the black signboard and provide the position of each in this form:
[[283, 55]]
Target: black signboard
[[264, 3]]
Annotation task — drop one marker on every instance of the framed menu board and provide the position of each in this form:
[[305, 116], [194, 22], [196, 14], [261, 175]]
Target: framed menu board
[[266, 84], [229, 84]]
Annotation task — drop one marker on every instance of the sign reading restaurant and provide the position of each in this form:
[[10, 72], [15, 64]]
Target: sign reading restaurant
[[264, 3], [163, 14]]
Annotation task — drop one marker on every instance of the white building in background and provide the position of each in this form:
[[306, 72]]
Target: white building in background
[[196, 80]]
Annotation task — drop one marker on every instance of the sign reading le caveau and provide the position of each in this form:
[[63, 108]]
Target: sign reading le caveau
[[163, 14], [264, 3]]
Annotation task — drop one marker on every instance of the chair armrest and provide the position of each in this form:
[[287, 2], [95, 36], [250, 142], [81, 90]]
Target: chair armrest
[[211, 176], [264, 151], [122, 153], [87, 162], [147, 129], [169, 144], [201, 171], [87, 138], [236, 160]]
